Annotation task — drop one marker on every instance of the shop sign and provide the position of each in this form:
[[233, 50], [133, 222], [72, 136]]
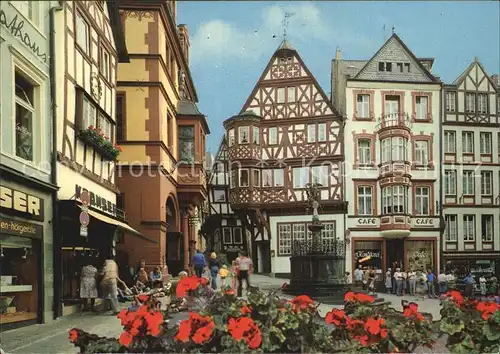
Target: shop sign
[[423, 222], [20, 228], [84, 231], [94, 200], [367, 222], [20, 203], [367, 253]]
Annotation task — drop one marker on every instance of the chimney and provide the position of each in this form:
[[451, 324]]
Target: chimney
[[496, 80], [184, 40], [338, 54]]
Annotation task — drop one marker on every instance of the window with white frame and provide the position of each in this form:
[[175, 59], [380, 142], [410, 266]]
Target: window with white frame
[[89, 114], [267, 178], [278, 178], [392, 106], [386, 150], [364, 151], [469, 228], [450, 231], [243, 135], [219, 195], [299, 232], [105, 64], [468, 183], [482, 103], [450, 182], [321, 132], [468, 142], [233, 179], [470, 102], [300, 177], [363, 106], [227, 237], [449, 142], [421, 152], [256, 178], [399, 147], [106, 127], [273, 136], [82, 33], [365, 200], [421, 105], [387, 200], [311, 133], [320, 175], [399, 196], [237, 235], [230, 137], [328, 237], [256, 135], [284, 239], [291, 94], [485, 143], [450, 101], [25, 116], [280, 95], [422, 200], [244, 178], [487, 228], [26, 8], [486, 183]]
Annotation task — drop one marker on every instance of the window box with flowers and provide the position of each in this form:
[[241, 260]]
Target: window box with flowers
[[101, 143]]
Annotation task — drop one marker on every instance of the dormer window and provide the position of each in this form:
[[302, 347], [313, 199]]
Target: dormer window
[[385, 66]]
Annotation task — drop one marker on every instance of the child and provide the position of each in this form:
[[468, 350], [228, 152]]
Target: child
[[234, 275], [223, 272]]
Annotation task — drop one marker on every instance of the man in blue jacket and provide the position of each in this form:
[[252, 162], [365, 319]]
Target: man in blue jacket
[[199, 262]]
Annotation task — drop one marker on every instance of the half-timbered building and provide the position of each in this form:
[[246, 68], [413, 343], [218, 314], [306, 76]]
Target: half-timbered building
[[162, 134], [286, 136], [89, 44], [392, 103], [471, 172]]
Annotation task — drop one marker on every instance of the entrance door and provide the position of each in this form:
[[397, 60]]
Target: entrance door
[[175, 253], [395, 254]]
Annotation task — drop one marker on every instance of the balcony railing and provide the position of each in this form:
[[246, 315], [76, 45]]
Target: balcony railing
[[329, 247], [394, 120]]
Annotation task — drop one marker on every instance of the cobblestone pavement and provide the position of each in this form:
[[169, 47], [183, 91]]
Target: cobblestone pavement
[[53, 337]]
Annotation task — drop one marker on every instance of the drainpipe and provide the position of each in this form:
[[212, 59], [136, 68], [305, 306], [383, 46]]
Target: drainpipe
[[57, 238], [441, 174], [344, 191]]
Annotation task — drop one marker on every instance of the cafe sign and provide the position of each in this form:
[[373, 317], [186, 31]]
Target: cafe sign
[[93, 200], [22, 204], [367, 253], [424, 222], [20, 228], [367, 222]]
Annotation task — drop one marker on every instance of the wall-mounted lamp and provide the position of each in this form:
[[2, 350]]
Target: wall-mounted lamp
[[25, 253], [1, 253]]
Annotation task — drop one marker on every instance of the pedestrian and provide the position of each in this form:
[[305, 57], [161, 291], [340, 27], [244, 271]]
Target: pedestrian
[[199, 262], [431, 278], [442, 282], [412, 282], [482, 285], [88, 284], [371, 280], [140, 266], [213, 265], [469, 285], [224, 273], [358, 277], [388, 280], [404, 275], [110, 282], [156, 277], [398, 276], [234, 275], [450, 280], [245, 268]]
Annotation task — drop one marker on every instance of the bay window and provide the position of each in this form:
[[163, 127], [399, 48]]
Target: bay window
[[387, 200], [386, 150], [256, 135], [186, 144], [272, 178], [394, 149], [244, 178], [394, 200], [230, 137], [278, 178], [256, 178], [234, 179], [243, 135], [24, 113]]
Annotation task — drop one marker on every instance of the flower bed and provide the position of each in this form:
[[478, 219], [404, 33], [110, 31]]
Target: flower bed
[[267, 323], [96, 138]]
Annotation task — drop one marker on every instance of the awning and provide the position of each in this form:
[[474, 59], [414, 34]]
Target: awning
[[120, 224]]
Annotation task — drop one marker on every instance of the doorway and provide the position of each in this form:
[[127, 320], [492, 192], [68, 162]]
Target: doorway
[[394, 251]]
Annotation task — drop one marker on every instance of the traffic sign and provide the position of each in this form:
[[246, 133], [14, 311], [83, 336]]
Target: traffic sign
[[84, 231], [85, 198], [84, 218]]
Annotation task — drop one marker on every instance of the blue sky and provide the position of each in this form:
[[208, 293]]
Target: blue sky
[[232, 41]]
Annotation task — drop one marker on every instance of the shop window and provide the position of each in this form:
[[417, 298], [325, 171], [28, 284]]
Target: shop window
[[368, 254], [284, 239], [486, 183], [450, 231], [219, 195], [420, 254], [487, 228], [230, 137], [20, 273], [25, 112], [469, 228], [365, 200], [273, 136], [243, 135], [422, 200], [449, 142], [186, 144], [450, 182], [244, 178], [82, 33]]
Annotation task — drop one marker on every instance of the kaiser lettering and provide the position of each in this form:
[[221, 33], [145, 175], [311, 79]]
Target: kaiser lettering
[[21, 202], [96, 201]]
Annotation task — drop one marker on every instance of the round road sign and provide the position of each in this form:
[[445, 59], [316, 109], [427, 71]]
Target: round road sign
[[84, 218], [85, 198]]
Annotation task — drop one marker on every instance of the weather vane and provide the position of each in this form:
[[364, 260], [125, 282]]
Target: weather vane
[[286, 21]]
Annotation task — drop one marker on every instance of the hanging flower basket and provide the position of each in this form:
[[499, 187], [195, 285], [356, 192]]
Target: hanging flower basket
[[95, 137]]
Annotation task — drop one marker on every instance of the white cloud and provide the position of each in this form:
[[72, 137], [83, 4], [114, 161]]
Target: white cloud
[[217, 40]]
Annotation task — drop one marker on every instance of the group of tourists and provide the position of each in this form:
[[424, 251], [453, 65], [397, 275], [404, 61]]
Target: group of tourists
[[239, 271]]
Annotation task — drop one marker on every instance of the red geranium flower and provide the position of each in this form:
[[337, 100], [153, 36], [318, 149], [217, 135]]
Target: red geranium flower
[[143, 298], [154, 321], [245, 328], [373, 326], [350, 296], [359, 297], [188, 284], [73, 335], [302, 302], [455, 296], [126, 338], [362, 339], [91, 127], [412, 310], [198, 328], [229, 292], [487, 309], [336, 317], [245, 310]]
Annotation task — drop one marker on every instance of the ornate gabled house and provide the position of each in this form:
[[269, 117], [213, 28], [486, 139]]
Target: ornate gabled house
[[392, 104], [223, 228], [90, 44], [471, 172], [286, 136]]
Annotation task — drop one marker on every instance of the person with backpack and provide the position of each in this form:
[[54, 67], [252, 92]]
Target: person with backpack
[[199, 262]]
